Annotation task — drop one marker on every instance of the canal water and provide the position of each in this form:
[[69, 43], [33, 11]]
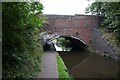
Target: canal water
[[84, 64]]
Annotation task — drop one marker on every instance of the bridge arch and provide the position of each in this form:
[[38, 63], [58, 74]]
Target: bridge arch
[[75, 44], [81, 26]]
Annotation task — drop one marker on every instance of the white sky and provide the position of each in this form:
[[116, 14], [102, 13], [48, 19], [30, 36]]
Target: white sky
[[65, 7]]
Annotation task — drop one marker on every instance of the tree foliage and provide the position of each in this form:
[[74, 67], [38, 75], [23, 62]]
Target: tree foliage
[[111, 13], [64, 43], [21, 48]]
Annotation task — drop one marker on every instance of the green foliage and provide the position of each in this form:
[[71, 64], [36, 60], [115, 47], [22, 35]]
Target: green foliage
[[63, 43], [21, 47], [62, 70], [111, 13]]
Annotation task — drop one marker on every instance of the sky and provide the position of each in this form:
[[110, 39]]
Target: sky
[[65, 7]]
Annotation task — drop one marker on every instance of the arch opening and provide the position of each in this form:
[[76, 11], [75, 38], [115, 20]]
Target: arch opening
[[66, 43]]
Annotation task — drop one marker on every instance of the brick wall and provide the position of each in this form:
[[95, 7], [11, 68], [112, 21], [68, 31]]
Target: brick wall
[[80, 26]]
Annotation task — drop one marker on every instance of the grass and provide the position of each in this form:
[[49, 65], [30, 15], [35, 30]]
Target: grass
[[62, 70], [110, 38]]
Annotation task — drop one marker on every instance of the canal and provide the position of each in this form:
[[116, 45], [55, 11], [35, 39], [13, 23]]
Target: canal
[[82, 63], [90, 65]]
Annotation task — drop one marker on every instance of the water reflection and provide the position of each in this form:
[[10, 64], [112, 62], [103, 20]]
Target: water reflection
[[84, 64], [90, 65]]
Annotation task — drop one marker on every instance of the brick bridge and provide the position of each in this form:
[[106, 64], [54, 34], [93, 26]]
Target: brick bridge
[[83, 27], [80, 26]]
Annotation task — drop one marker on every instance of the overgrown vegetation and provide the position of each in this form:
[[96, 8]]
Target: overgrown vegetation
[[111, 40], [110, 12], [64, 44], [62, 70], [21, 47]]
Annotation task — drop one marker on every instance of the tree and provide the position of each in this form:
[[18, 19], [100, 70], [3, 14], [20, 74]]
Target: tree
[[64, 43], [21, 48], [111, 13]]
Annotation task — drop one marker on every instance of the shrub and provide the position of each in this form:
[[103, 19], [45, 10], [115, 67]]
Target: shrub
[[21, 48]]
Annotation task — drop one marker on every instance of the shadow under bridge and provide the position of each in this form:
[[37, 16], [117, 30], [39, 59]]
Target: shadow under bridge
[[65, 43]]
